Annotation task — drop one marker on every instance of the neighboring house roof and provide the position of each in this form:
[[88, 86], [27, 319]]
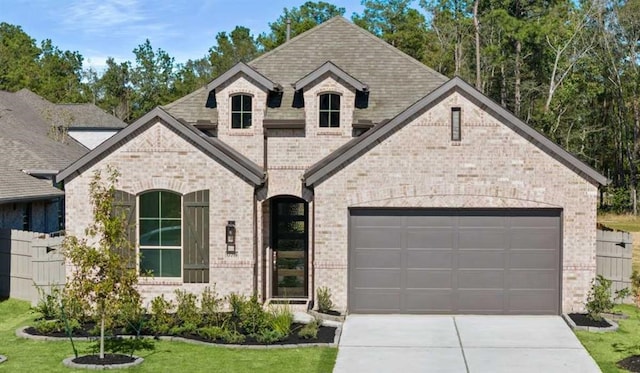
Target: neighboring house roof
[[360, 145], [71, 115], [365, 57], [215, 148], [31, 142]]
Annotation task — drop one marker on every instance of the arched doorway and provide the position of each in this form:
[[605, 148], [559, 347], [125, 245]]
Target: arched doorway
[[289, 234]]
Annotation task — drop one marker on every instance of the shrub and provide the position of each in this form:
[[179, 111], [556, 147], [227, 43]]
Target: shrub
[[635, 287], [49, 304], [269, 336], [310, 331], [187, 310], [599, 298], [280, 319], [232, 336], [236, 301], [210, 305], [249, 313], [49, 326], [161, 320], [211, 332], [132, 317], [324, 299]]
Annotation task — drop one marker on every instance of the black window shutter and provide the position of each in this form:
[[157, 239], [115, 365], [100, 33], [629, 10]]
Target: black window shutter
[[124, 204], [195, 246]]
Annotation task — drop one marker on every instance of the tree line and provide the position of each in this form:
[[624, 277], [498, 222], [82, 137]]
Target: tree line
[[567, 68]]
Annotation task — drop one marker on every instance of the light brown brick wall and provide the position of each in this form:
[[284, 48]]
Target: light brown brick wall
[[158, 158], [419, 166]]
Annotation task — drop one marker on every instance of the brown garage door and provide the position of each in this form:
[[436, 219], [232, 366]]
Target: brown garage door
[[495, 261]]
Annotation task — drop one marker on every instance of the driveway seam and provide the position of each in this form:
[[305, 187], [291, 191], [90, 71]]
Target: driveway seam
[[464, 357]]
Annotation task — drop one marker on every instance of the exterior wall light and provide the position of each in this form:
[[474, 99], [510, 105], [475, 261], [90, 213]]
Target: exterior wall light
[[230, 236]]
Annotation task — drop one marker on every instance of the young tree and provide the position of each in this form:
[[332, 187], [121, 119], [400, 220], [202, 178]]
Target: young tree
[[101, 276]]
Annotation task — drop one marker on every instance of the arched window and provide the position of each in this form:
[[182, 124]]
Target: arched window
[[241, 106], [160, 234], [329, 110]]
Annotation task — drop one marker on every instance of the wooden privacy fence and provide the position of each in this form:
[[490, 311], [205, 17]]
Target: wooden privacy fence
[[613, 258], [27, 260]]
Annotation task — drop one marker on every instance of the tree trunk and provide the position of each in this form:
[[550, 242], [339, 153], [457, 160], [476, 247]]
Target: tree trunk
[[503, 86], [516, 95], [102, 337], [476, 24]]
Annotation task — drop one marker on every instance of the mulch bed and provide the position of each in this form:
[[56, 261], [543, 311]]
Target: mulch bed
[[326, 334], [109, 359], [582, 319], [332, 313], [631, 363]]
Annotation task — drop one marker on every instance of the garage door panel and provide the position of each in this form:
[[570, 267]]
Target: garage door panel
[[533, 259], [433, 279], [492, 261], [481, 278], [378, 258], [429, 258], [532, 279], [477, 238], [378, 238], [428, 300], [429, 238], [480, 301], [377, 278], [481, 258]]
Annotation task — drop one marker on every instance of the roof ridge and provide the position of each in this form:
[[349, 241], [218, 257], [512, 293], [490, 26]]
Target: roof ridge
[[298, 37]]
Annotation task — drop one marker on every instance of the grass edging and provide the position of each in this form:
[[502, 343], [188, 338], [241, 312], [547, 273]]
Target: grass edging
[[68, 362], [594, 329], [21, 333]]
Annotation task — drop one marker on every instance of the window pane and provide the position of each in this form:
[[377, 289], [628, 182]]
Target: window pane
[[170, 205], [246, 120], [236, 103], [246, 103], [324, 119], [149, 232], [335, 102], [150, 262], [149, 205], [455, 124], [324, 102], [335, 119], [236, 120], [170, 233], [170, 263]]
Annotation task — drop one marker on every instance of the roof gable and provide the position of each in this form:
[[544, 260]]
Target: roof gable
[[358, 146], [227, 156], [329, 68], [242, 68]]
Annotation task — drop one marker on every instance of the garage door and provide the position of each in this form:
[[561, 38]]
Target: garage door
[[467, 261]]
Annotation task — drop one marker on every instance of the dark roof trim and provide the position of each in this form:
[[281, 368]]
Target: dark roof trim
[[243, 68], [218, 150], [98, 129], [330, 67], [48, 196], [273, 124], [354, 148]]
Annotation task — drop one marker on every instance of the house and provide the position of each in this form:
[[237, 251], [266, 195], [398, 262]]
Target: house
[[35, 147], [337, 161]]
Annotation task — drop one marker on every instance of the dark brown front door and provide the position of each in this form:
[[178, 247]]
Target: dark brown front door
[[289, 240]]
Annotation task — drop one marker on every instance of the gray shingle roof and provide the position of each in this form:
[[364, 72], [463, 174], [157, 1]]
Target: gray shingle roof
[[27, 132], [395, 80]]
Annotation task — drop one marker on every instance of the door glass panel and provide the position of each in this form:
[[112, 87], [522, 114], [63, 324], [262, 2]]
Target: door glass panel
[[289, 230]]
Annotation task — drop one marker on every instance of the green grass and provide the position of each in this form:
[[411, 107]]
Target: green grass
[[609, 348], [33, 356]]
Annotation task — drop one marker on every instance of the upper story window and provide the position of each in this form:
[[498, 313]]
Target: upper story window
[[160, 234], [329, 110], [456, 130], [241, 106]]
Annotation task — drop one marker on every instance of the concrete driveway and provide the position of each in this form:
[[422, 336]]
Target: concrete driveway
[[410, 344]]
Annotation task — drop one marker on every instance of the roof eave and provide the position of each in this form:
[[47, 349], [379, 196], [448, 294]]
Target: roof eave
[[331, 68], [243, 68]]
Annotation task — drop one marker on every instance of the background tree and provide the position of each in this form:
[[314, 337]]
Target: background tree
[[18, 58], [115, 89], [309, 15], [101, 277], [237, 46], [152, 77]]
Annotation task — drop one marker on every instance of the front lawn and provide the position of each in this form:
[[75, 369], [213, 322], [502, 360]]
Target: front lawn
[[33, 356], [609, 348]]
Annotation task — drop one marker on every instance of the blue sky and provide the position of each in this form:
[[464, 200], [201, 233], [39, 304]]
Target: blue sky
[[113, 28]]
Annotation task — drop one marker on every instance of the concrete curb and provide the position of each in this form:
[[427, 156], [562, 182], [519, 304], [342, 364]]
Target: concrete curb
[[595, 329], [2, 359], [68, 362], [21, 333], [324, 316]]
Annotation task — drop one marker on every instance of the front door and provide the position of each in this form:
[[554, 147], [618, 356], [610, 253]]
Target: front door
[[289, 241]]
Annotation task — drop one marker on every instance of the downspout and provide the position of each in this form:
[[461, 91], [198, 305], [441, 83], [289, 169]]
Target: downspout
[[313, 254], [255, 244], [264, 247]]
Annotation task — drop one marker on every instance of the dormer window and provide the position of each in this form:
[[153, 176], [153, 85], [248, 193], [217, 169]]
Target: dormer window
[[330, 110], [241, 106]]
